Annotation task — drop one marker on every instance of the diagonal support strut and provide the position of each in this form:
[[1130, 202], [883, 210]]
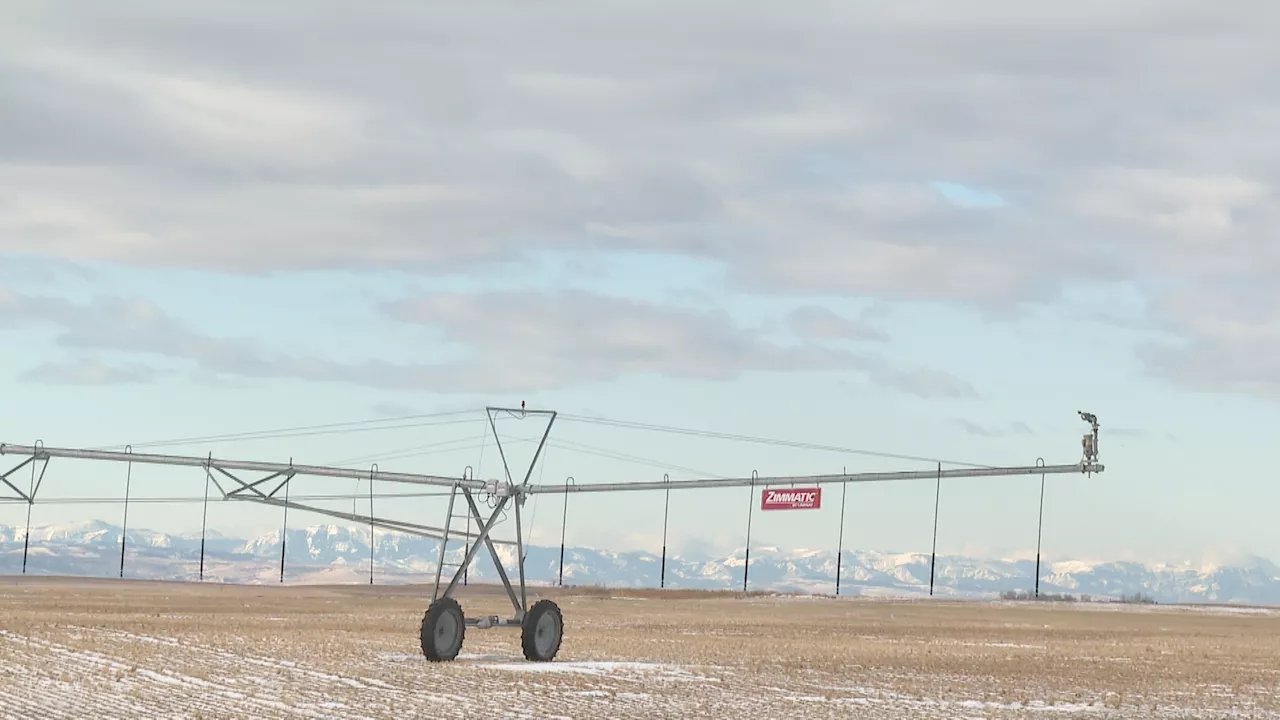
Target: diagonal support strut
[[5, 478], [409, 528], [493, 413]]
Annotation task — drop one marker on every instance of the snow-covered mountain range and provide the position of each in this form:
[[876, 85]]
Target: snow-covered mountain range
[[337, 553]]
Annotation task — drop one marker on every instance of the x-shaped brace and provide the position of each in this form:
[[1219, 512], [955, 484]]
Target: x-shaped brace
[[486, 527], [253, 486]]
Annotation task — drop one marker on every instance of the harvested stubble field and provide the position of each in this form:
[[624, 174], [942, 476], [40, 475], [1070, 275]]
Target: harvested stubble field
[[104, 649]]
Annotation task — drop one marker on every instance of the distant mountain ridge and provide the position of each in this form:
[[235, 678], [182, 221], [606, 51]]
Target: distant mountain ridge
[[337, 553]]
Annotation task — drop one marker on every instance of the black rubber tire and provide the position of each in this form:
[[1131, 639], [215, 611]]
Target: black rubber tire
[[543, 618], [438, 618]]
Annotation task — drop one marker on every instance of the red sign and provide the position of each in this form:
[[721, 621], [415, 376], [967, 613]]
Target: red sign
[[791, 499]]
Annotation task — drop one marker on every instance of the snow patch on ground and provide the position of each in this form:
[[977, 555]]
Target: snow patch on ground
[[622, 670], [84, 671]]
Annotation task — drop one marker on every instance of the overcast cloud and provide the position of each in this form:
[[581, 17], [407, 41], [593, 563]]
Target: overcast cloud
[[510, 342], [797, 145]]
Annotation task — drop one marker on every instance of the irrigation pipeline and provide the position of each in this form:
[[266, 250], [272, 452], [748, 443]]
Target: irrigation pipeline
[[452, 418], [563, 445], [201, 499]]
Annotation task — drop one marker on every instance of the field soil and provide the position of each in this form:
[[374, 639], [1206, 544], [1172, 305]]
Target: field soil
[[73, 648]]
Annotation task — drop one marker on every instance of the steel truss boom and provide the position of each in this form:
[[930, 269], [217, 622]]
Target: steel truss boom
[[762, 482], [443, 624], [40, 451], [249, 491]]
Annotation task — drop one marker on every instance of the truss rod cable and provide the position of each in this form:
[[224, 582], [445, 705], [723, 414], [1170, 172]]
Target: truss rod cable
[[310, 433], [614, 455], [759, 440], [430, 449], [534, 515], [302, 430], [410, 451]]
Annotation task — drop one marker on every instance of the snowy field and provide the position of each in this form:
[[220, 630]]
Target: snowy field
[[121, 649]]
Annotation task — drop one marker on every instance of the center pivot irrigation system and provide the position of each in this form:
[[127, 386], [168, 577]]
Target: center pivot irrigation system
[[542, 625]]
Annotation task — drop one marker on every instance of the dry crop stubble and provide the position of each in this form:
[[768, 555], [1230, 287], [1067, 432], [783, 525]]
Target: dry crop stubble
[[138, 649]]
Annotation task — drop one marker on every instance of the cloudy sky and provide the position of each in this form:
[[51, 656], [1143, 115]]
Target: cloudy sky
[[924, 228]]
